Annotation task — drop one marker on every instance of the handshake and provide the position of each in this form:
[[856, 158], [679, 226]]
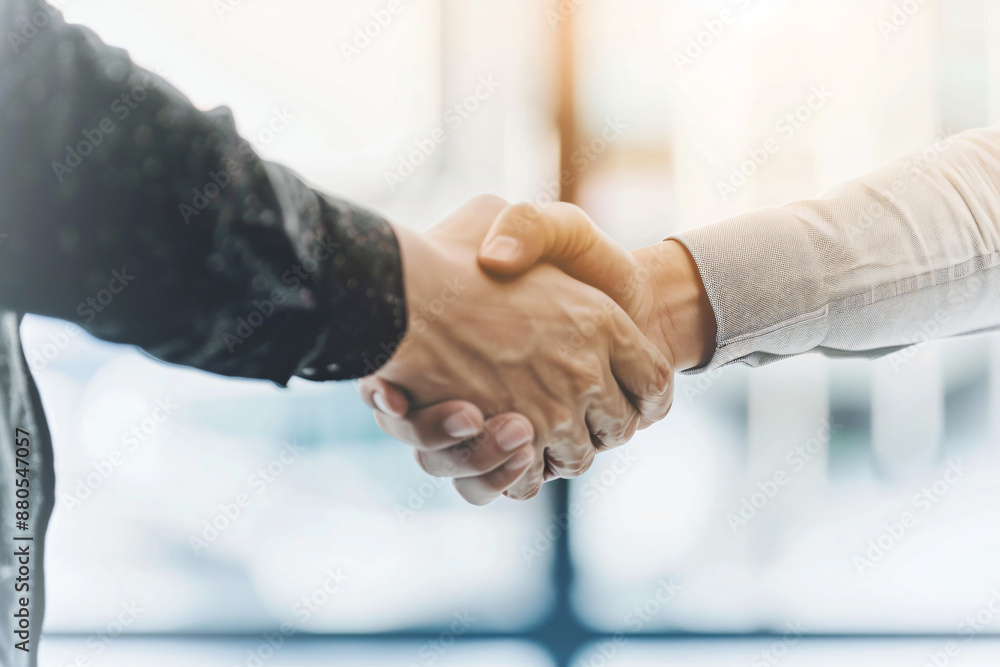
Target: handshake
[[533, 343]]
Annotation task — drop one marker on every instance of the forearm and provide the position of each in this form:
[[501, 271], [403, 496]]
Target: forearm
[[883, 261], [150, 222]]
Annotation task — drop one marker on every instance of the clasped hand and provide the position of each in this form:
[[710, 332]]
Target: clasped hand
[[512, 370]]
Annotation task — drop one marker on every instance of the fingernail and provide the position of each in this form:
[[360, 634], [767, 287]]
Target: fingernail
[[460, 425], [380, 403], [521, 459], [512, 435], [502, 248]]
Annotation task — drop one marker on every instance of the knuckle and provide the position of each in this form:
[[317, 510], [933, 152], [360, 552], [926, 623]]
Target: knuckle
[[576, 223], [620, 432], [569, 458], [663, 404], [531, 492], [663, 374], [577, 468], [562, 422], [525, 486], [519, 493], [589, 375], [612, 438]]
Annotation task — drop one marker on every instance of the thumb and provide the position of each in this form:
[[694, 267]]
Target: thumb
[[562, 234]]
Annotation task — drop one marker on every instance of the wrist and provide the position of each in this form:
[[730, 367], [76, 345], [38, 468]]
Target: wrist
[[421, 260], [681, 312]]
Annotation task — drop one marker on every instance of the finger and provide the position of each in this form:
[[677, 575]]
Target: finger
[[436, 426], [530, 481], [640, 368], [501, 437], [472, 220], [527, 491], [615, 434], [570, 458], [564, 235], [484, 489], [383, 396], [612, 419]]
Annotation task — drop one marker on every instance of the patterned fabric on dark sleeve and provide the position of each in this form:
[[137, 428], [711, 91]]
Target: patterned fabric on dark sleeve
[[147, 221]]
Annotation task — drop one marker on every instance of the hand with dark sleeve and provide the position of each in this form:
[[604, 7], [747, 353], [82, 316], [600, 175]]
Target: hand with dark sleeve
[[146, 221], [150, 222]]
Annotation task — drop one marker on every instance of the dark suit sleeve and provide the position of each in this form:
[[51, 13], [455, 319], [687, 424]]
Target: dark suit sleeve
[[125, 209]]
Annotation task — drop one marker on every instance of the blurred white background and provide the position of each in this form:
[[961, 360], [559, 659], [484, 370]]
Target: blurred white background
[[686, 532]]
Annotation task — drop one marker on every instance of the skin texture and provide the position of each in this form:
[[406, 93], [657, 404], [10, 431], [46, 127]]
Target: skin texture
[[658, 286], [559, 352]]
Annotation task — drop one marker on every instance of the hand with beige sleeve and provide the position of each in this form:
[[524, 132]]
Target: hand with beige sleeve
[[856, 273]]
